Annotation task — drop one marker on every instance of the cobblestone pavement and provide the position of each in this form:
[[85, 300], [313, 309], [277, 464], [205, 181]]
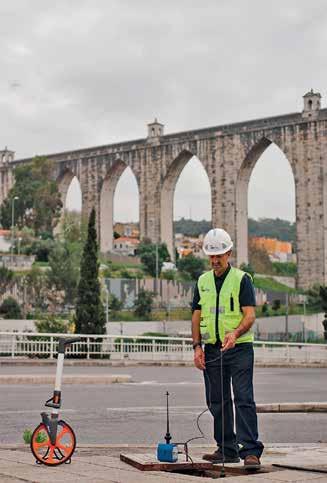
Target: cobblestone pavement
[[101, 463]]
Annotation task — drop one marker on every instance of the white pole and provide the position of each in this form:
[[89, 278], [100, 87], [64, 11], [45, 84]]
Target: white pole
[[107, 305], [13, 227], [60, 365], [157, 268], [286, 318]]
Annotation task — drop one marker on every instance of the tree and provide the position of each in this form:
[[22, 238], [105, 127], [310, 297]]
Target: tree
[[73, 228], [191, 265], [90, 316], [40, 248], [147, 253], [265, 309], [10, 309], [6, 279], [314, 298], [39, 204], [276, 305], [114, 304], [192, 227], [246, 267], [143, 303], [36, 288], [273, 228], [64, 262]]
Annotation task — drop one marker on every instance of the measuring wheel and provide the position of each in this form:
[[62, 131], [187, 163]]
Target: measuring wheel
[[53, 454]]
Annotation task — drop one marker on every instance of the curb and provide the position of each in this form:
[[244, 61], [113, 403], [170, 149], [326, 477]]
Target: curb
[[308, 407], [128, 363], [80, 379]]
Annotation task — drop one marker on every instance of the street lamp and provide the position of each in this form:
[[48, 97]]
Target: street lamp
[[13, 226]]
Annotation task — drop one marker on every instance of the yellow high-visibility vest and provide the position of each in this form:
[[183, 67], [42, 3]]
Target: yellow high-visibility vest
[[229, 310]]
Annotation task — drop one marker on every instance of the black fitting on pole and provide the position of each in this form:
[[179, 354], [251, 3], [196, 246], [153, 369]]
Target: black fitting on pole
[[168, 436], [63, 343]]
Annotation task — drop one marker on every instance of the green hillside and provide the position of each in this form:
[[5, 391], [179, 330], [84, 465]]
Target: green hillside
[[268, 227]]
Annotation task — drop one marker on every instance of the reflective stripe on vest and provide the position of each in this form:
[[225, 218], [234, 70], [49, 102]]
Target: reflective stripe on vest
[[229, 310]]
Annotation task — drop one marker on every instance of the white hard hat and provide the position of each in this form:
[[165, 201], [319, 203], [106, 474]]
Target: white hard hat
[[217, 242]]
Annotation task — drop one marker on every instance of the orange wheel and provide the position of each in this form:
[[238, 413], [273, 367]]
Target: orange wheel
[[56, 454]]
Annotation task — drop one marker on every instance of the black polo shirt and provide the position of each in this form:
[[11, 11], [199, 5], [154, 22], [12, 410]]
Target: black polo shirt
[[246, 297]]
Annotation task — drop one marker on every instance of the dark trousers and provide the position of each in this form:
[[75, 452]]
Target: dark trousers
[[238, 370]]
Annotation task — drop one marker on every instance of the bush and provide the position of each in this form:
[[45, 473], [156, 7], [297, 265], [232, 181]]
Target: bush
[[6, 279], [40, 438], [124, 273], [114, 303], [143, 303], [276, 305], [10, 309], [168, 274], [265, 309], [52, 324]]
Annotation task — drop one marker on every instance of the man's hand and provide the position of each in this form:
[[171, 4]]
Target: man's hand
[[229, 341], [199, 360]]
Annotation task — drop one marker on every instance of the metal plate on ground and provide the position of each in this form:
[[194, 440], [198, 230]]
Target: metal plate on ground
[[148, 462], [312, 468], [199, 467]]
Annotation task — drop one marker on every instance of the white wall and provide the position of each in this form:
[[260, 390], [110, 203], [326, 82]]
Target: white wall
[[4, 245]]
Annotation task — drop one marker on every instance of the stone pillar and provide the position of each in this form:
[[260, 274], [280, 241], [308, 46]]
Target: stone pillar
[[89, 182], [304, 149], [107, 216], [150, 186], [6, 182], [223, 180], [6, 173]]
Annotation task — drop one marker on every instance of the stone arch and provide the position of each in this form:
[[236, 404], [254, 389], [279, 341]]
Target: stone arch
[[63, 182], [167, 199], [242, 185], [107, 204]]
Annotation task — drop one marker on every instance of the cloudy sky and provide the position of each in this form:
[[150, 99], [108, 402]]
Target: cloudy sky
[[81, 73]]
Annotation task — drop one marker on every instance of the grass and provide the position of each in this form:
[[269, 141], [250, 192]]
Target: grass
[[157, 314], [272, 285], [40, 438], [41, 264], [292, 310], [121, 266]]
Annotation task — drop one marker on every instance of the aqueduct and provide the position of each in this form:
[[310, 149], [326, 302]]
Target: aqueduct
[[228, 154]]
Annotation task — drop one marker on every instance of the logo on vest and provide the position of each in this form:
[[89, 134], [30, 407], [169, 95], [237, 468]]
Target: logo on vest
[[204, 289]]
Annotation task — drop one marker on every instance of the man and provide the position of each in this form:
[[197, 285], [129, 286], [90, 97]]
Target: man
[[223, 313]]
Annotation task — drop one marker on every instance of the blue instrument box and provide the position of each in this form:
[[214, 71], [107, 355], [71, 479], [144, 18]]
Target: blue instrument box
[[167, 452]]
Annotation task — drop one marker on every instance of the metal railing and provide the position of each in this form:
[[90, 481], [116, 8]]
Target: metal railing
[[119, 347]]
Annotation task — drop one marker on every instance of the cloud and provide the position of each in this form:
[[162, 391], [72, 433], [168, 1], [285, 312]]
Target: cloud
[[97, 72]]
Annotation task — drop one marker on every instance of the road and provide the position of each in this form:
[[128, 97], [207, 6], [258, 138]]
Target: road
[[135, 413]]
